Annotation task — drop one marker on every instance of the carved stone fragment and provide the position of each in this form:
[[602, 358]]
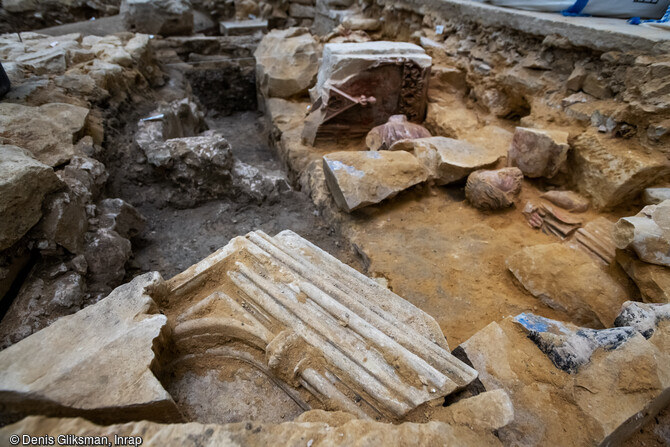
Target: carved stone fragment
[[361, 85], [396, 128], [315, 325], [492, 190]]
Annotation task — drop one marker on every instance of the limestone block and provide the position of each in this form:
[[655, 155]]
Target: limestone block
[[164, 17], [342, 60], [395, 129], [492, 190], [652, 280], [120, 216], [490, 410], [95, 364], [538, 153], [354, 433], [576, 386], [323, 327], [49, 292], [301, 11], [106, 254], [358, 179], [647, 233], [178, 119], [360, 23], [48, 131], [613, 170], [287, 62], [654, 196], [201, 166], [569, 280], [44, 62], [24, 182], [65, 221], [448, 160]]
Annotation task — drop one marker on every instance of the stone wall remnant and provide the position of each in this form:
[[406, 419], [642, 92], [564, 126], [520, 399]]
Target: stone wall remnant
[[24, 182]]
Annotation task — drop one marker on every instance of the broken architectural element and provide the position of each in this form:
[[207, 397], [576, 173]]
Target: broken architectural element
[[647, 233], [492, 190], [326, 428], [596, 239], [358, 179], [538, 153], [550, 220], [361, 85], [567, 200], [314, 324], [613, 170], [395, 129]]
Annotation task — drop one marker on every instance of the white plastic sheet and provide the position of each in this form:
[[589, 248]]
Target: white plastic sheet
[[646, 9]]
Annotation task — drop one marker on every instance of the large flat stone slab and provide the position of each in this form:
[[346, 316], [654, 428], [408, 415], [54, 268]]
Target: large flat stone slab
[[358, 179], [448, 160], [96, 363], [568, 279]]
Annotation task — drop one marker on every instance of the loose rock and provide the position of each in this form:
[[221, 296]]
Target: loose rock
[[567, 200], [164, 17], [94, 364], [567, 279], [538, 153], [287, 62], [652, 280], [48, 131], [448, 160]]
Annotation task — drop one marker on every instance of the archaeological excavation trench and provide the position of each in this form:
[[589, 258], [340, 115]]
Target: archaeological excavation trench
[[334, 222]]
